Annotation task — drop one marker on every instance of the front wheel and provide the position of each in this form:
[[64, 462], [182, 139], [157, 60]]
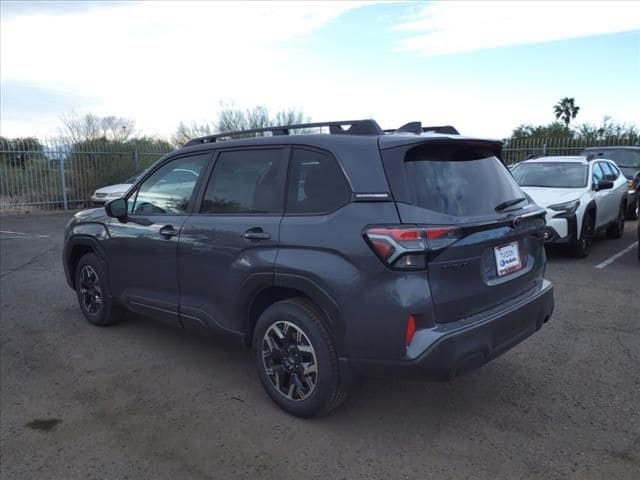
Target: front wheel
[[92, 289], [296, 359], [582, 245]]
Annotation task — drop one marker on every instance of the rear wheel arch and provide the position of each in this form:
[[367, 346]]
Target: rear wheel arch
[[624, 203], [267, 296]]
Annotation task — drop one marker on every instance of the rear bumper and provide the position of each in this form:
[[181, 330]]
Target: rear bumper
[[448, 350]]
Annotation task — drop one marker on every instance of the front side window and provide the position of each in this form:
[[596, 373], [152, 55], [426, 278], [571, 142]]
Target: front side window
[[247, 182], [169, 190], [316, 183], [598, 174]]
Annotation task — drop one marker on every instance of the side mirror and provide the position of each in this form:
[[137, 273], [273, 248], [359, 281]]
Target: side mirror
[[117, 208], [603, 185]]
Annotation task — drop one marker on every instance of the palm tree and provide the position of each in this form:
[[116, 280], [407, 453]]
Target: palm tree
[[566, 109]]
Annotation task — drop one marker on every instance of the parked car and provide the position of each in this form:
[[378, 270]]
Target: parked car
[[178, 177], [581, 197], [331, 255], [628, 161], [104, 194]]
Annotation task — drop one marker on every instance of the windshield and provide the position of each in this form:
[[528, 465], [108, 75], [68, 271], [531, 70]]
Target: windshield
[[552, 175], [623, 158]]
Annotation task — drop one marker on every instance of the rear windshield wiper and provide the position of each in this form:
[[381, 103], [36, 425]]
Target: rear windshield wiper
[[509, 203]]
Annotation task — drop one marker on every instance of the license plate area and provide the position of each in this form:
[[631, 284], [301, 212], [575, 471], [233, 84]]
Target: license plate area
[[507, 258]]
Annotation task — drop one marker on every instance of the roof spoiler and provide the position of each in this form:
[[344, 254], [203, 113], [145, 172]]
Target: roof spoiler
[[418, 129]]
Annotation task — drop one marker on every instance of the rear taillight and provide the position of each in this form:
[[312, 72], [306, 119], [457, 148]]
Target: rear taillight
[[405, 247], [398, 247]]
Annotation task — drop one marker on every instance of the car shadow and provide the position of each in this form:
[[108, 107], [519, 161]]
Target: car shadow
[[504, 385]]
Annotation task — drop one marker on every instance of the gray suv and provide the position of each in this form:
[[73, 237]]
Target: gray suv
[[332, 255]]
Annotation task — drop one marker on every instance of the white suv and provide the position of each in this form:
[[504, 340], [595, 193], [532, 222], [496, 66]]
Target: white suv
[[581, 196]]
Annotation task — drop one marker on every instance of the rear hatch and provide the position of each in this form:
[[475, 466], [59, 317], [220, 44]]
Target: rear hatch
[[483, 234]]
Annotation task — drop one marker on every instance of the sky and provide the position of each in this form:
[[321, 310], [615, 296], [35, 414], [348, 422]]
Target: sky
[[482, 66]]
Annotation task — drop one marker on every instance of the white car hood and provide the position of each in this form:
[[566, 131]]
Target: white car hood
[[120, 187], [551, 196]]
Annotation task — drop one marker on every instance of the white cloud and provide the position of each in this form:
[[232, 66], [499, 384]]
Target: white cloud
[[165, 62], [446, 27], [162, 62]]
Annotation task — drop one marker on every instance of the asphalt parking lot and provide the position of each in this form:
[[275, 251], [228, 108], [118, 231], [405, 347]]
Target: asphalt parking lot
[[144, 400]]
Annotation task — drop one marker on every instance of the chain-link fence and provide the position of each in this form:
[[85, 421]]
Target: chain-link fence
[[55, 175]]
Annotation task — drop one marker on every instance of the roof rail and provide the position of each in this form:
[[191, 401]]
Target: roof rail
[[357, 127]]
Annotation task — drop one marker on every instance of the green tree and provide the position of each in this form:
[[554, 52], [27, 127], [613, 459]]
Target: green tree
[[566, 110], [91, 164], [18, 152], [556, 130], [609, 132]]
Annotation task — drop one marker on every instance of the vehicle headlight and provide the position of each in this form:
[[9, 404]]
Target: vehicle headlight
[[566, 207], [116, 194]]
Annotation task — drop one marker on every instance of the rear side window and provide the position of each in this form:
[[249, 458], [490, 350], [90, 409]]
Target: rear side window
[[459, 180], [247, 182], [316, 183]]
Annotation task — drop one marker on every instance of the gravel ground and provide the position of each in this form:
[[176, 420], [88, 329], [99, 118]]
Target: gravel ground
[[144, 400]]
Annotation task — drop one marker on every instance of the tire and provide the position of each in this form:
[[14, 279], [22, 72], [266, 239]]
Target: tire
[[289, 338], [632, 211], [582, 245], [616, 230], [92, 289]]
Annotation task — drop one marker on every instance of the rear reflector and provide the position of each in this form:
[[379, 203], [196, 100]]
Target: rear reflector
[[411, 329]]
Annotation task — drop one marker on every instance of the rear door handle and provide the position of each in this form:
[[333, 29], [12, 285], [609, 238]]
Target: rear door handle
[[256, 234], [168, 231]]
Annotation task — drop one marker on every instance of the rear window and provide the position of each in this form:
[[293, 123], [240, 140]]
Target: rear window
[[460, 182], [622, 158]]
